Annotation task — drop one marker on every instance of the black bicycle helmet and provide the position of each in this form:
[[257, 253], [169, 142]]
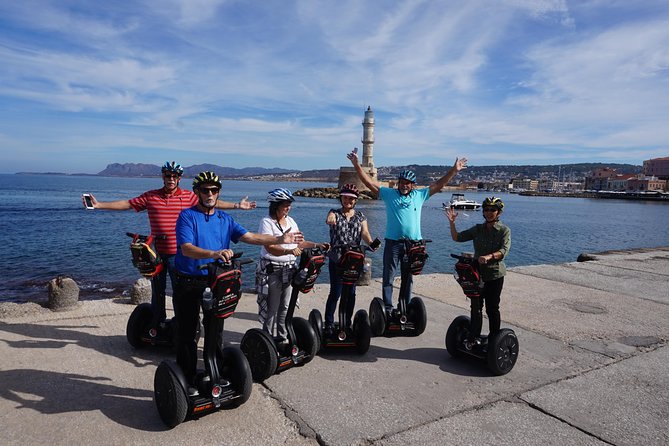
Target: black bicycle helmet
[[206, 177], [495, 202]]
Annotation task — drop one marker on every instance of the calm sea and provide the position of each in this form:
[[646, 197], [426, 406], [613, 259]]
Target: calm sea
[[45, 232]]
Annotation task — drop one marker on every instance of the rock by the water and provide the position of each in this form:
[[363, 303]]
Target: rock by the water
[[141, 291], [63, 293], [327, 192]]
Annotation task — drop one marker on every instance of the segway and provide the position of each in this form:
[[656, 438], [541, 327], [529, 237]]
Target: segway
[[142, 328], [344, 335], [499, 351], [407, 319], [265, 354], [226, 379]]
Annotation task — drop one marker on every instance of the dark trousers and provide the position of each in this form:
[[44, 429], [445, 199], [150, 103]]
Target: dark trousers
[[490, 294], [187, 298], [335, 293], [159, 286]]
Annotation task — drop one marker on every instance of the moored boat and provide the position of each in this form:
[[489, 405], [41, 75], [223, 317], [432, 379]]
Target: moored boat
[[458, 201]]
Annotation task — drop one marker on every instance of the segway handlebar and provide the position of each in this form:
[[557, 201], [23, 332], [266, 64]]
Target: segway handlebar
[[235, 257], [135, 235], [464, 257]]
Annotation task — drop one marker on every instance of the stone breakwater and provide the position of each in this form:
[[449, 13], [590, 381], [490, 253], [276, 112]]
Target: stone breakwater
[[328, 192]]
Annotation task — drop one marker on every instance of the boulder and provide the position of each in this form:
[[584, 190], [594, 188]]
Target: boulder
[[141, 291], [63, 293]]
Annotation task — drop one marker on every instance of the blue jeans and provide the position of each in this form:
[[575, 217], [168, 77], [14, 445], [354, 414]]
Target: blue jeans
[[335, 294], [158, 287], [393, 254]]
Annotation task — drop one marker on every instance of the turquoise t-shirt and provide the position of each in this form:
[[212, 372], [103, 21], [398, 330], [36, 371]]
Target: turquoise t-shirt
[[403, 212]]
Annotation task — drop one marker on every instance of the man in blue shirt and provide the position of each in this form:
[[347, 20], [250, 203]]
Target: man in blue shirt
[[403, 213], [204, 235]]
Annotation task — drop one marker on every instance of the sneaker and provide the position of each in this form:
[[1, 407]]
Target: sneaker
[[192, 391]]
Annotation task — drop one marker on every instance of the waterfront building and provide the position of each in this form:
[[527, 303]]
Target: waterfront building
[[658, 167], [598, 179], [524, 184], [642, 183]]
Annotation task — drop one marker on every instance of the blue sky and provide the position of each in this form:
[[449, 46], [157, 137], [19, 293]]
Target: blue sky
[[280, 83]]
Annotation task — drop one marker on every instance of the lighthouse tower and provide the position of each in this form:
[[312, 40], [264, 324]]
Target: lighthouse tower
[[348, 174]]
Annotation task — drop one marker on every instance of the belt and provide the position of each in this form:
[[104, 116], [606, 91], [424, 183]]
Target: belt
[[198, 280]]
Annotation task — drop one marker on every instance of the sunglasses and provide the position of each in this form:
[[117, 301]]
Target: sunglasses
[[170, 175], [209, 190], [489, 209]]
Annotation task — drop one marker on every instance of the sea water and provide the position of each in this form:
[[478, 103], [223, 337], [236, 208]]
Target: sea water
[[46, 232]]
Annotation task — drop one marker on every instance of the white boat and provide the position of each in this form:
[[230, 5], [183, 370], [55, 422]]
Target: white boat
[[458, 201]]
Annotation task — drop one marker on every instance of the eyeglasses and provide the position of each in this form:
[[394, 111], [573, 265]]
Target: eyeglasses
[[209, 190], [170, 175], [489, 209]]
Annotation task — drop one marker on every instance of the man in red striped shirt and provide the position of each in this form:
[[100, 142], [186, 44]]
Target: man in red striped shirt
[[163, 207]]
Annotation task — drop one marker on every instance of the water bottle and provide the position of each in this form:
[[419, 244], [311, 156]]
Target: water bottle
[[301, 277], [207, 299]]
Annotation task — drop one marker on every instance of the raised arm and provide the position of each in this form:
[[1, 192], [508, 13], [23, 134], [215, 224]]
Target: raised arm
[[437, 186], [372, 185], [451, 215]]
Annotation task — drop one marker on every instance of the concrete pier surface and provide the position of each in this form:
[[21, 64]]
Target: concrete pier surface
[[592, 369]]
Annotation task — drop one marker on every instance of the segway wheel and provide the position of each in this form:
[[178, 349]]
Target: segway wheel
[[306, 338], [316, 321], [234, 367], [456, 335], [502, 351], [138, 321], [377, 316], [362, 330], [417, 315], [171, 399], [260, 351]]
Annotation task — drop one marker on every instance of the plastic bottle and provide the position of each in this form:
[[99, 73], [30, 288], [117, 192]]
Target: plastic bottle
[[207, 299]]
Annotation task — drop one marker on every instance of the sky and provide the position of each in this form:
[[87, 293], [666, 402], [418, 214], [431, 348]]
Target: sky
[[285, 83]]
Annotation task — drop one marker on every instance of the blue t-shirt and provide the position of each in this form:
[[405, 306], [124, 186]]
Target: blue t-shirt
[[214, 232], [403, 212]]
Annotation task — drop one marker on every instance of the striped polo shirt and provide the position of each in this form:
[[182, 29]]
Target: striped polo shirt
[[163, 212]]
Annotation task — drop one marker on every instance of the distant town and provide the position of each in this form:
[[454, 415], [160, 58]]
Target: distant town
[[652, 176]]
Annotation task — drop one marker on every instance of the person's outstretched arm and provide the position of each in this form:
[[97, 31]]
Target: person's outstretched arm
[[437, 186]]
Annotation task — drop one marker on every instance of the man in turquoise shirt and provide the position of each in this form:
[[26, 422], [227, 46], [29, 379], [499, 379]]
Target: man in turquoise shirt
[[403, 213]]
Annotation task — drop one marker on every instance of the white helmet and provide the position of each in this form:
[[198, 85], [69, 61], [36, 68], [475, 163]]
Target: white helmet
[[281, 194]]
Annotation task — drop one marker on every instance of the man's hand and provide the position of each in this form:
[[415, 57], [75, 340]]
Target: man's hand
[[247, 205], [289, 237], [224, 254], [353, 156], [460, 163]]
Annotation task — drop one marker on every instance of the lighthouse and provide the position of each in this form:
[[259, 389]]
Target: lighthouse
[[347, 174]]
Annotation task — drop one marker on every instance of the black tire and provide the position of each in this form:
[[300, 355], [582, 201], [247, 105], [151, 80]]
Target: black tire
[[171, 399], [234, 367], [260, 351], [306, 338], [417, 315], [502, 351], [139, 320], [456, 334], [377, 316], [362, 330], [316, 321]]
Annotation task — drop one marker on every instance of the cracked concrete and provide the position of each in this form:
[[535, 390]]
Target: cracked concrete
[[591, 371]]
